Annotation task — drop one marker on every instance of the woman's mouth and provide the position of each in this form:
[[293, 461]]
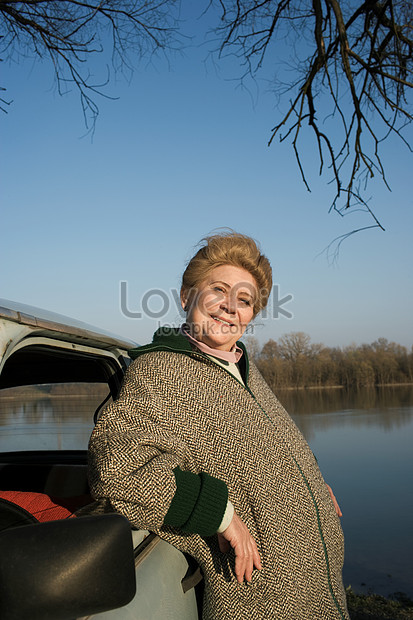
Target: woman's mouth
[[223, 321]]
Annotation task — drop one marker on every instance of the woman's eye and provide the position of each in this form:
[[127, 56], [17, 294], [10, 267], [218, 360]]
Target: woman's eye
[[246, 302], [219, 289]]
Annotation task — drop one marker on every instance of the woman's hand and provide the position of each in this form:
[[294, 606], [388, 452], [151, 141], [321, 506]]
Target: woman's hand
[[247, 557], [335, 502]]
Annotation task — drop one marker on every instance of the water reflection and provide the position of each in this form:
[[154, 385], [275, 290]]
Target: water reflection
[[317, 410], [363, 442], [48, 417], [299, 401]]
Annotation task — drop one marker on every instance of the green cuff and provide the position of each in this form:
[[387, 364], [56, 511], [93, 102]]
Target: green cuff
[[207, 514], [198, 504], [188, 486]]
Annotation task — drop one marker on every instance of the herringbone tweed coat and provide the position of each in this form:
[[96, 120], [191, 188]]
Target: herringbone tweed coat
[[184, 410]]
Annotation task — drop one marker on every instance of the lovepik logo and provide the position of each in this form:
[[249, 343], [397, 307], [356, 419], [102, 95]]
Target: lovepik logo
[[156, 303]]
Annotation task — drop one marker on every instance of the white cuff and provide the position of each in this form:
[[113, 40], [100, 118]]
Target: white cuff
[[227, 518]]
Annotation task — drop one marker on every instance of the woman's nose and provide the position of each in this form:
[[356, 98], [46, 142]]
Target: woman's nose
[[228, 304]]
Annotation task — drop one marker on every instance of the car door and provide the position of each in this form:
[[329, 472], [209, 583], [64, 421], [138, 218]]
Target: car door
[[53, 382]]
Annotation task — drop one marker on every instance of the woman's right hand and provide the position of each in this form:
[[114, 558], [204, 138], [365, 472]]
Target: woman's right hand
[[238, 537]]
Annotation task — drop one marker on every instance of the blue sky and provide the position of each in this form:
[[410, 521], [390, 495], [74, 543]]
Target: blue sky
[[181, 152]]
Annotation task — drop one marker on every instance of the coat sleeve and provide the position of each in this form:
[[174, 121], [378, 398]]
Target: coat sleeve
[[145, 471]]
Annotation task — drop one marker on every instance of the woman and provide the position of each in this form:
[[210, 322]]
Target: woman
[[199, 450]]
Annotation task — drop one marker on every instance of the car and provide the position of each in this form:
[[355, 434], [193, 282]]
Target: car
[[56, 374]]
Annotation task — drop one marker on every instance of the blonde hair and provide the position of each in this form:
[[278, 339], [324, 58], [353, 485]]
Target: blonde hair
[[230, 248]]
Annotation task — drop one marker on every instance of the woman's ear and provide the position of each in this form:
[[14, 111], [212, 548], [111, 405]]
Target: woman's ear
[[184, 300]]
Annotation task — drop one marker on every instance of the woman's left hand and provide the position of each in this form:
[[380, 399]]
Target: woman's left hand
[[335, 502], [247, 557]]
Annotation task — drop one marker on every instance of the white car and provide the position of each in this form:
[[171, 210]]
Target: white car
[[55, 376]]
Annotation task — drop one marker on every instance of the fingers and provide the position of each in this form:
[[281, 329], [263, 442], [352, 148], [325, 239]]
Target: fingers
[[338, 510], [335, 502], [246, 559], [257, 559], [246, 553]]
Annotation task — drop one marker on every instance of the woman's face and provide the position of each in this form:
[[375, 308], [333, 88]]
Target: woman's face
[[219, 310]]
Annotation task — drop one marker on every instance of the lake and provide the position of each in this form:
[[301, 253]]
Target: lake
[[363, 442], [364, 445]]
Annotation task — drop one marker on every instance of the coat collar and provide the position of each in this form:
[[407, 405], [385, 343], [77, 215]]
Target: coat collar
[[172, 339], [164, 339]]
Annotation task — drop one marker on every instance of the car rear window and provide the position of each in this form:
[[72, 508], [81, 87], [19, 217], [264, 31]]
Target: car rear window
[[56, 416]]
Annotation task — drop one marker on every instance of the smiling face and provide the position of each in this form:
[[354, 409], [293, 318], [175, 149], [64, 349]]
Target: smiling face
[[220, 309]]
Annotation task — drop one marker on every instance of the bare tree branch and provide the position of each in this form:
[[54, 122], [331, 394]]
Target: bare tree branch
[[352, 78], [71, 32], [361, 62]]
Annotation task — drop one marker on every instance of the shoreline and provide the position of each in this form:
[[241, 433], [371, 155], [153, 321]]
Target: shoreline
[[342, 387], [371, 606]]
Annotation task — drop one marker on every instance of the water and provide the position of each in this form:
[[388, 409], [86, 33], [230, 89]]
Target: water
[[363, 442], [48, 417]]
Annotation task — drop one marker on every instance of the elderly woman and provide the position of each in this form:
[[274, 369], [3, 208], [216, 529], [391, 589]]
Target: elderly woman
[[199, 450]]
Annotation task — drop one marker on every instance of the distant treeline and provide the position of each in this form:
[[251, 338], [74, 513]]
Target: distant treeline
[[294, 361]]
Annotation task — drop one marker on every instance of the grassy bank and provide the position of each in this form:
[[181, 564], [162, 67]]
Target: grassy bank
[[376, 607]]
